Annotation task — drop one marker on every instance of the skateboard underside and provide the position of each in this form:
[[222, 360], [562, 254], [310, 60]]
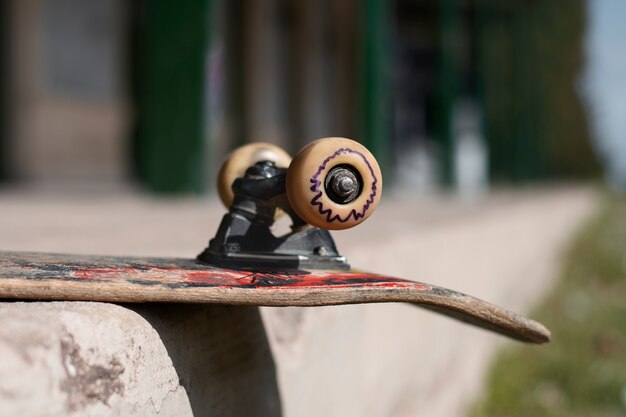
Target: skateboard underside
[[35, 276]]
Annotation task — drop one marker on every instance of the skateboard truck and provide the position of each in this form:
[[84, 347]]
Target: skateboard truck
[[244, 238]]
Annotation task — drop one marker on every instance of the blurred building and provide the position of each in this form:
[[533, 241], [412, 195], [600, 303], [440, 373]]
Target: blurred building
[[448, 93]]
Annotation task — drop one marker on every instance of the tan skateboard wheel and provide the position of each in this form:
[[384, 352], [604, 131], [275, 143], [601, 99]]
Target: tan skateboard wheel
[[235, 165], [334, 183]]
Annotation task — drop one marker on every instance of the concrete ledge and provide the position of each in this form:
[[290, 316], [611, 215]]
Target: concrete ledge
[[95, 359], [397, 360], [376, 360]]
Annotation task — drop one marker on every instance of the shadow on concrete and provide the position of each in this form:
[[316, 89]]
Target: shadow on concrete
[[222, 357]]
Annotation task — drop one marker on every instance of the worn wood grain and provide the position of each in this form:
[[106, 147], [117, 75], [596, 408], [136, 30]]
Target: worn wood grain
[[117, 279]]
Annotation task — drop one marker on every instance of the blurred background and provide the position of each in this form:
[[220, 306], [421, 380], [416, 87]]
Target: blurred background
[[453, 94], [514, 106]]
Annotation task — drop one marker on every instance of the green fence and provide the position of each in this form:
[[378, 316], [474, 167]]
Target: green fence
[[171, 43], [523, 60]]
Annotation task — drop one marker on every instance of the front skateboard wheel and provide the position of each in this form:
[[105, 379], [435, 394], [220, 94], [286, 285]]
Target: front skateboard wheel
[[236, 164], [334, 183]]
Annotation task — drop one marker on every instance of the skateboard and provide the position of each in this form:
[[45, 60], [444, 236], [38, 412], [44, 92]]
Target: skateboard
[[331, 184]]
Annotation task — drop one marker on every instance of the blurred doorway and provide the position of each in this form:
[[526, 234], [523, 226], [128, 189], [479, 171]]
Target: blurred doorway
[[67, 64]]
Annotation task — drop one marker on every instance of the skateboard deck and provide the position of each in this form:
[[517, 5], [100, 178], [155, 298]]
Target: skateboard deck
[[37, 276]]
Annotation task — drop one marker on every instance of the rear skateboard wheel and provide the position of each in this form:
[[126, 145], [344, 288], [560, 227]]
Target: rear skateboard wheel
[[334, 183], [236, 164]]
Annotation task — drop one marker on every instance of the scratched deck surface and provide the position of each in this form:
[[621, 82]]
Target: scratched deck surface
[[117, 279]]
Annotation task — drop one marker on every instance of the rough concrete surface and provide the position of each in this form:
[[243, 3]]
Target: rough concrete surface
[[395, 360], [376, 360], [84, 359]]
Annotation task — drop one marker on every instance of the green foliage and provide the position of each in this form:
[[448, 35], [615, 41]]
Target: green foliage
[[530, 57], [582, 372]]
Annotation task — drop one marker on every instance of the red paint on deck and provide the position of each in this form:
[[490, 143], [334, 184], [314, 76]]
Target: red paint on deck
[[107, 273], [165, 274], [173, 274], [180, 273]]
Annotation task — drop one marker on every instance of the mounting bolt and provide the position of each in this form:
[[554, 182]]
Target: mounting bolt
[[232, 247], [321, 251]]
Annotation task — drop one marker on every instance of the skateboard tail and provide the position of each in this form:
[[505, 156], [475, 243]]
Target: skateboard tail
[[452, 304], [511, 325]]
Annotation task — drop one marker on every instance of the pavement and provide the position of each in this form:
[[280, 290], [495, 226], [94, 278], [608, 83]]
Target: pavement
[[376, 360]]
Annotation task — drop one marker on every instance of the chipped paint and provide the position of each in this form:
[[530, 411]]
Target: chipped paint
[[182, 272]]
